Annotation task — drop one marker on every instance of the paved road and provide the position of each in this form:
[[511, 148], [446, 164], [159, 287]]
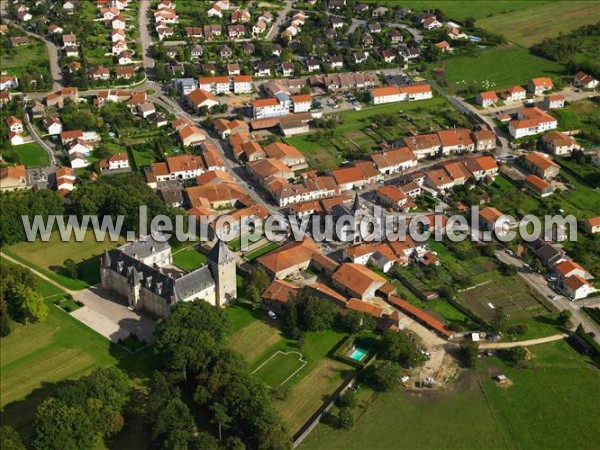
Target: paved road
[[55, 70], [145, 39], [530, 342], [272, 34], [36, 136], [503, 149], [356, 23], [561, 302]]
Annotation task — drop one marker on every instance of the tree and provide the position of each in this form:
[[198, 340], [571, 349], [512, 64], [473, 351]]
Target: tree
[[470, 353], [31, 304], [348, 399], [518, 355], [71, 268], [564, 318], [319, 314], [58, 426], [174, 427], [346, 418], [10, 439], [498, 321], [382, 375], [4, 318], [220, 417], [354, 321], [396, 346]]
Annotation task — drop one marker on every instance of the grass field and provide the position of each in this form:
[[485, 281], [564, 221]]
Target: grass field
[[48, 258], [21, 60], [535, 413], [32, 155], [460, 9], [189, 258], [251, 256], [254, 339], [503, 66], [541, 21], [280, 368]]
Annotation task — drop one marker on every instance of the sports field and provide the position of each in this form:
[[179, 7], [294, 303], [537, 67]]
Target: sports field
[[280, 368], [498, 67], [48, 258], [512, 294], [536, 412], [532, 25]]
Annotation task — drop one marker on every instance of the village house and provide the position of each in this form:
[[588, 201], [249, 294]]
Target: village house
[[14, 124], [269, 107], [491, 219], [585, 81], [554, 101], [531, 121], [9, 82], [201, 99], [261, 170], [592, 225], [539, 187], [514, 94], [177, 167], [560, 143], [13, 178], [576, 287], [215, 85], [392, 197], [191, 136], [52, 125], [541, 165], [390, 94], [242, 84], [64, 180], [357, 281], [99, 73], [289, 259], [394, 161], [566, 269], [486, 99], [287, 154], [538, 86], [116, 161]]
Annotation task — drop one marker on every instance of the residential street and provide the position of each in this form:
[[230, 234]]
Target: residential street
[[36, 136], [272, 34], [561, 302], [145, 39]]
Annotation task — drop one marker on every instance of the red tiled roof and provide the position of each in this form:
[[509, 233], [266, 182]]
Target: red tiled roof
[[421, 315]]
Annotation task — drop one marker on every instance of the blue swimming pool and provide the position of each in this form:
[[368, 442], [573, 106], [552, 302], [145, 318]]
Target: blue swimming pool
[[358, 354]]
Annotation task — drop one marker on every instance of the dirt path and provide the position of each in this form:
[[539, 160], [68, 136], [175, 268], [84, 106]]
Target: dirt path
[[500, 345], [39, 274]]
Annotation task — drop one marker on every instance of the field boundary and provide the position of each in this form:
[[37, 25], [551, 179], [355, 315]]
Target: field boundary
[[302, 361]]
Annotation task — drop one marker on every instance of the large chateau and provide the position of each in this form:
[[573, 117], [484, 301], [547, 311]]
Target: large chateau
[[142, 272]]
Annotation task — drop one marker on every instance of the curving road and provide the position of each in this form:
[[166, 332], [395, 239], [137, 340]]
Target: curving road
[[53, 54]]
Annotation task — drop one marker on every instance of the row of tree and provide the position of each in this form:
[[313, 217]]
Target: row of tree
[[207, 386]]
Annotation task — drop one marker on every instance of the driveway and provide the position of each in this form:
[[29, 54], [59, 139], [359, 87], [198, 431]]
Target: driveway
[[106, 313]]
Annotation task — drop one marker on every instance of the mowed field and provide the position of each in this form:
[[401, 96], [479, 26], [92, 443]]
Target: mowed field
[[532, 25], [273, 358], [32, 155], [536, 412], [502, 66], [48, 258], [21, 60]]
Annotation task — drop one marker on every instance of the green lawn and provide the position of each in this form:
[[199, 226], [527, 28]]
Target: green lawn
[[280, 368], [541, 21], [475, 413], [189, 258], [497, 68], [251, 256], [33, 155], [48, 258]]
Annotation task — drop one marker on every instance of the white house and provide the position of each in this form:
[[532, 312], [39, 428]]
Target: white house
[[388, 94], [577, 287], [269, 107], [585, 81], [9, 82], [554, 101], [215, 85], [242, 84], [52, 125], [14, 124], [301, 103], [531, 121], [540, 85], [116, 161]]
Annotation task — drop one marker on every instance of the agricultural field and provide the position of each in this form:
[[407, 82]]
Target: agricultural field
[[532, 25], [32, 155], [493, 291], [358, 133], [497, 68], [477, 413], [48, 258], [459, 10], [583, 115]]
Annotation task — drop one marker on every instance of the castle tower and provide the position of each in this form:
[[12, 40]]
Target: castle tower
[[105, 263], [222, 266], [135, 285]]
